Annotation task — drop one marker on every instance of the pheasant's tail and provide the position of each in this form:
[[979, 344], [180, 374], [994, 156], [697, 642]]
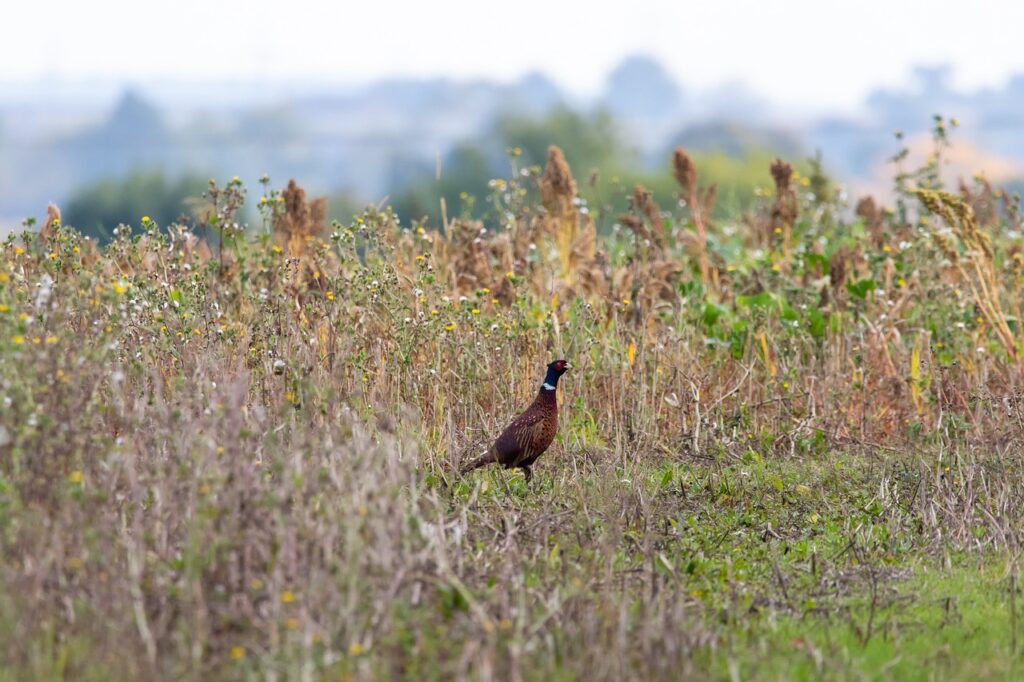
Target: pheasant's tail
[[483, 460]]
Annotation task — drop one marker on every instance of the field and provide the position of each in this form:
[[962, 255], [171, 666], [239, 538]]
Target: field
[[789, 443]]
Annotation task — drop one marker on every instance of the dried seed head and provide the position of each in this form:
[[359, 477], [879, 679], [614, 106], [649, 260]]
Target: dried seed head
[[557, 187], [684, 170], [869, 210], [782, 173]]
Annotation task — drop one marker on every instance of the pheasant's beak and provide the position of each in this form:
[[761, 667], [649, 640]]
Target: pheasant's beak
[[568, 366]]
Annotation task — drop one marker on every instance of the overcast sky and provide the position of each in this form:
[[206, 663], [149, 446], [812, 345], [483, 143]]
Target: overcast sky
[[817, 53]]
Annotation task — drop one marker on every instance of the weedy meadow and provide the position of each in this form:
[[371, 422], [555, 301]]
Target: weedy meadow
[[789, 446]]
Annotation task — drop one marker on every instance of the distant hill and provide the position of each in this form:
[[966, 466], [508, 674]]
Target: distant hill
[[367, 141]]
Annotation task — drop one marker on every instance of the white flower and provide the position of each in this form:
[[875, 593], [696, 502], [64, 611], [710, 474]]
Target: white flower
[[45, 286]]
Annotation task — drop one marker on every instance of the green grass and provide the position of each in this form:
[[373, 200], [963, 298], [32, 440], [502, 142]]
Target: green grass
[[936, 623]]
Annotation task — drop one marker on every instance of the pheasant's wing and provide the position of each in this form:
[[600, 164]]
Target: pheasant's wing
[[516, 442]]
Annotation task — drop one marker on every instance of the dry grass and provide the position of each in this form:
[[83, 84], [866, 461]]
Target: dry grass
[[231, 466]]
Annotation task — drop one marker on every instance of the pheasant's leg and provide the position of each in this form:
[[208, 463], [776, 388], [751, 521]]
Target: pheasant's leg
[[527, 473]]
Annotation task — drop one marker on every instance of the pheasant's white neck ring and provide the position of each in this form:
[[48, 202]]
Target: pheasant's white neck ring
[[547, 387]]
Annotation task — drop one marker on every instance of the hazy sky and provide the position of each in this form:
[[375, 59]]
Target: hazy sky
[[801, 52]]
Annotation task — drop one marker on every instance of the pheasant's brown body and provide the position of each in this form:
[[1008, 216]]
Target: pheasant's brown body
[[529, 434]]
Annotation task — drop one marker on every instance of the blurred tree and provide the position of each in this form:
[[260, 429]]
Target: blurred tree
[[589, 141], [133, 136], [464, 175], [606, 169], [640, 87], [98, 208]]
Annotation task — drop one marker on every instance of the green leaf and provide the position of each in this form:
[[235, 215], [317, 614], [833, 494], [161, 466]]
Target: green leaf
[[712, 312], [816, 261], [691, 288], [765, 299], [666, 479], [861, 288], [816, 323]]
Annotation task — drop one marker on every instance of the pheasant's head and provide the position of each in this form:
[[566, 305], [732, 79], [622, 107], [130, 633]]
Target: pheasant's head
[[560, 367], [555, 370]]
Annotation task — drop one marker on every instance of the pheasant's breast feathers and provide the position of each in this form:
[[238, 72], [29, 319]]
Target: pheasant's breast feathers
[[527, 436]]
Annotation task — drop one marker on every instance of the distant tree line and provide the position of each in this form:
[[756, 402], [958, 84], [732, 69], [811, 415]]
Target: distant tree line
[[594, 144]]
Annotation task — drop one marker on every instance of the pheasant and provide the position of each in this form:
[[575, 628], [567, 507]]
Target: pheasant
[[529, 434]]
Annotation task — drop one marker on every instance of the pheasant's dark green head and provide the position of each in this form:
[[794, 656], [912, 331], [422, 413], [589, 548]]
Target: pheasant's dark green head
[[555, 370]]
